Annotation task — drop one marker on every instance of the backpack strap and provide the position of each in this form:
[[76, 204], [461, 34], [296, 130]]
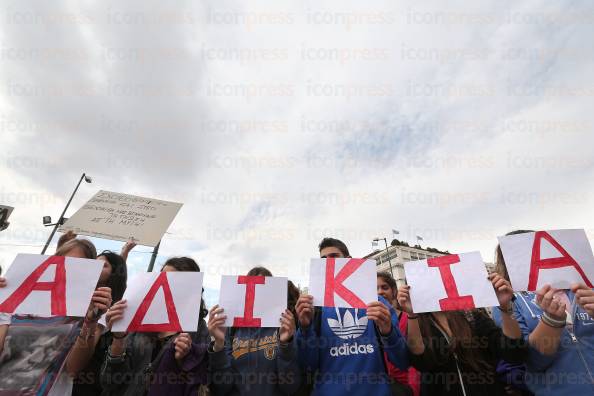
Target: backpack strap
[[150, 368]]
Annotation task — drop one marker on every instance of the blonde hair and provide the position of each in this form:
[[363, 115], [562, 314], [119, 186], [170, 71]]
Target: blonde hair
[[83, 244]]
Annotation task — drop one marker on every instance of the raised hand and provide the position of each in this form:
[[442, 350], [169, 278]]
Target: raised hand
[[128, 246], [584, 296], [287, 327], [403, 298], [115, 313], [216, 320], [100, 303], [545, 298], [503, 290], [70, 235], [380, 314], [305, 310], [182, 344]]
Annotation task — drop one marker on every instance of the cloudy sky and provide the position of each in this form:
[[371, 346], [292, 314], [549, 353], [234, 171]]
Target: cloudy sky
[[279, 122]]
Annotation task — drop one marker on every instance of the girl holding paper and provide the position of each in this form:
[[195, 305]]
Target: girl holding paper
[[386, 287], [85, 366], [254, 360], [457, 351], [57, 335], [156, 364], [559, 326]]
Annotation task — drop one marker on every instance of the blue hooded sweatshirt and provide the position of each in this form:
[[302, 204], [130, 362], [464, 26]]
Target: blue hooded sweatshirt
[[570, 371], [346, 357]]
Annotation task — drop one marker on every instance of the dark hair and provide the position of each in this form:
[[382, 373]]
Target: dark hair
[[85, 245], [500, 266], [292, 297], [337, 243], [182, 264], [461, 341], [119, 274], [259, 271], [187, 264], [389, 279]]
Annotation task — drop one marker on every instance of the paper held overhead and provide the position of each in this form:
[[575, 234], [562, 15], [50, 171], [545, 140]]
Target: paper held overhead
[[119, 217]]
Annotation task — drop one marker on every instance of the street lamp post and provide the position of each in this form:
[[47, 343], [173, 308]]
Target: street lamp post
[[60, 221], [387, 252], [154, 257]]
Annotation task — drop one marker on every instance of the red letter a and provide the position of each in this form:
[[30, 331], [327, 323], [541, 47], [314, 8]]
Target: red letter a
[[536, 263], [334, 283], [57, 288], [173, 320], [454, 301], [248, 319]]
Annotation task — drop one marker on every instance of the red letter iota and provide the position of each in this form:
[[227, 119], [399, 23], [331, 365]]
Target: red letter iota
[[248, 319], [454, 301]]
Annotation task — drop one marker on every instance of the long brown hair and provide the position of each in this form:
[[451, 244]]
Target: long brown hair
[[463, 341], [500, 266]]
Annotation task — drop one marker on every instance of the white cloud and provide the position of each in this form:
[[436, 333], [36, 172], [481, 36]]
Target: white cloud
[[277, 123]]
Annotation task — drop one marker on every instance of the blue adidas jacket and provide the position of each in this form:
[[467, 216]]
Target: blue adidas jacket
[[571, 370], [346, 357]]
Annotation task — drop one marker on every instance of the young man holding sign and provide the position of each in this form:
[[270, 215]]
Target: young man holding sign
[[343, 349], [165, 354]]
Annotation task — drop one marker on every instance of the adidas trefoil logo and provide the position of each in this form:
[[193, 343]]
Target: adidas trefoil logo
[[348, 327]]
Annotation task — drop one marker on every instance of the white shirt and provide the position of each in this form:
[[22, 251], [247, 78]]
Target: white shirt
[[5, 319]]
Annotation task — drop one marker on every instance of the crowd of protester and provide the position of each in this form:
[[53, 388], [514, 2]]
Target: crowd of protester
[[539, 343]]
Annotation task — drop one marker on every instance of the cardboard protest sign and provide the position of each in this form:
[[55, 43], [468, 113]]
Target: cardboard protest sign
[[558, 258], [447, 283], [342, 282], [162, 301], [120, 216], [253, 301], [49, 285]]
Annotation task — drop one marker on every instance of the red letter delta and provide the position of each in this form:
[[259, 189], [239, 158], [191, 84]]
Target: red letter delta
[[454, 301], [173, 320]]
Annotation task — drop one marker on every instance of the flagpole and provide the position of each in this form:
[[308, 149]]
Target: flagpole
[[387, 253]]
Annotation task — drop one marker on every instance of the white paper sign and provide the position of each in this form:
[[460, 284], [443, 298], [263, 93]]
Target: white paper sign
[[49, 285], [558, 258], [342, 282], [162, 301], [253, 301], [119, 217], [447, 283]]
